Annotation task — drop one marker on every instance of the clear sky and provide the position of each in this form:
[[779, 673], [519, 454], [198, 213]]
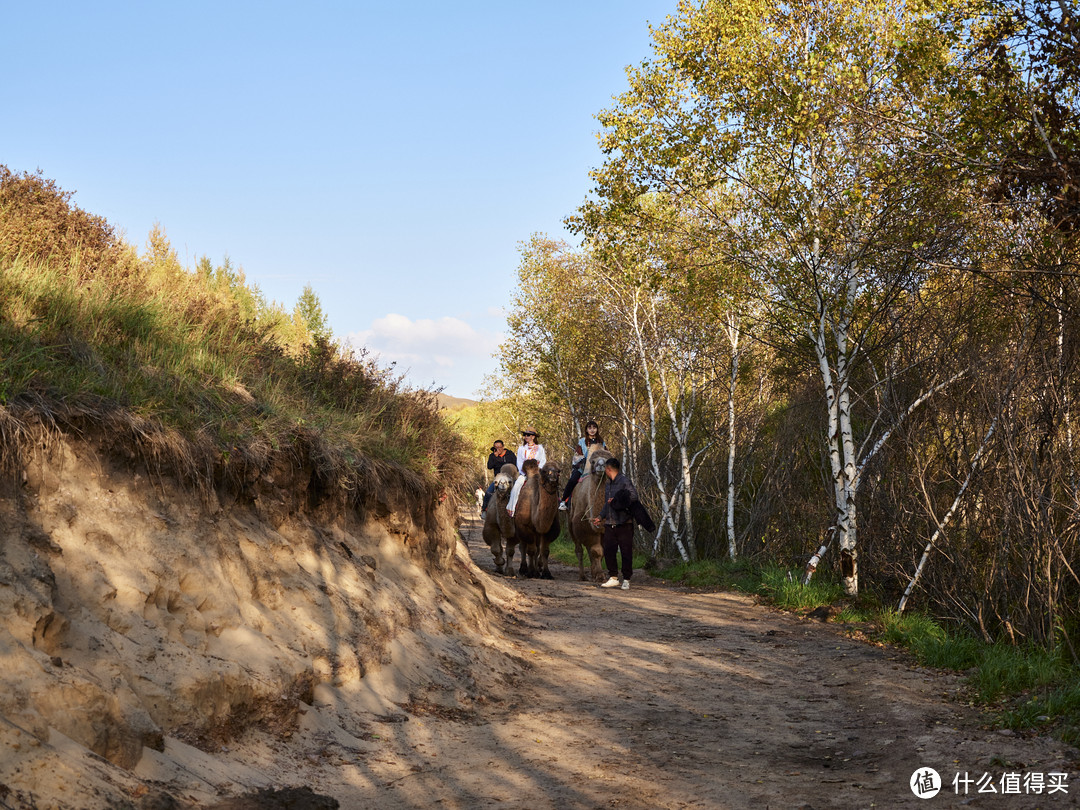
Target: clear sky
[[390, 154]]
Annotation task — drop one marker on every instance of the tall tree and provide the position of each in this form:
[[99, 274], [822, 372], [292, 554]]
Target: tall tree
[[796, 111], [310, 313]]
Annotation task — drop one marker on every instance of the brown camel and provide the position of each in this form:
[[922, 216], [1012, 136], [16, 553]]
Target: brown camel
[[498, 525], [586, 501], [536, 518]]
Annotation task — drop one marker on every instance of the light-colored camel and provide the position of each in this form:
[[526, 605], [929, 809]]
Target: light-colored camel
[[536, 518], [586, 502], [498, 525]]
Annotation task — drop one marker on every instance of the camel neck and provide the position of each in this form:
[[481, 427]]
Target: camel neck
[[545, 506]]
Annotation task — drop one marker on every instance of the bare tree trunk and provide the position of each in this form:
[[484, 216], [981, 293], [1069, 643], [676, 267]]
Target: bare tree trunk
[[666, 516], [733, 334], [1063, 381], [976, 463], [836, 464]]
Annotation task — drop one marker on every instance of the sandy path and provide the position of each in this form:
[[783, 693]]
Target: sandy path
[[658, 698]]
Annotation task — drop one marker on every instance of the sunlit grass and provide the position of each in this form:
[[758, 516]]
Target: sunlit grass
[[784, 588], [206, 360]]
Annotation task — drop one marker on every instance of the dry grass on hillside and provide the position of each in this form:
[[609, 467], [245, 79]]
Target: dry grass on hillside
[[192, 372]]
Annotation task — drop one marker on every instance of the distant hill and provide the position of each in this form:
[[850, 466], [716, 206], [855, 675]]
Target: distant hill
[[449, 403]]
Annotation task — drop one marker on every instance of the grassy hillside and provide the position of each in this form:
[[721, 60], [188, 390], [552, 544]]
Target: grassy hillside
[[452, 404], [191, 368]]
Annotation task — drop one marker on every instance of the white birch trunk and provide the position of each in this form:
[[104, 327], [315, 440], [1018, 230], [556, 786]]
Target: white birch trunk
[[666, 516], [848, 526], [833, 420], [976, 463], [687, 501], [681, 418], [843, 457], [733, 334]]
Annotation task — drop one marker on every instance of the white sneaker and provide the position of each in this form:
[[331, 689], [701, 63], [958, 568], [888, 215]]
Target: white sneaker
[[626, 584], [613, 582], [563, 507]]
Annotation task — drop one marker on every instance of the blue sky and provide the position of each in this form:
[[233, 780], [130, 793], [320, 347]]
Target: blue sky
[[390, 154]]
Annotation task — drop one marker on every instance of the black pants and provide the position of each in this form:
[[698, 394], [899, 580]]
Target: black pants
[[619, 539], [575, 476]]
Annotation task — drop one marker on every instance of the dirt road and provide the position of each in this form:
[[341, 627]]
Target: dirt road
[[658, 698]]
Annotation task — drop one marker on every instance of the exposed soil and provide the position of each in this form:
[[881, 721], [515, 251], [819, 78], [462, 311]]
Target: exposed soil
[[656, 697], [662, 698]]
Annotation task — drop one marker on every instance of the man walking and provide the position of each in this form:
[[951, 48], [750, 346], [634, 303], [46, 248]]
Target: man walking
[[618, 520]]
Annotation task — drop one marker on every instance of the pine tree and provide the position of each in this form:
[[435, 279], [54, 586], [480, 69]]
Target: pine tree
[[310, 312]]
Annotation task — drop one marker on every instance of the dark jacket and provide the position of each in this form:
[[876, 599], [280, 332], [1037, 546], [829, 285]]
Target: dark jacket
[[625, 500], [618, 496], [495, 464], [642, 517]]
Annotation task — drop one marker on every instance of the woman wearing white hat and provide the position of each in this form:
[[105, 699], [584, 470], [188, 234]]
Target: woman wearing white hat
[[530, 449]]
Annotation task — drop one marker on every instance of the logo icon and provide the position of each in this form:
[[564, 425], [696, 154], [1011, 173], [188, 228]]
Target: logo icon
[[925, 783]]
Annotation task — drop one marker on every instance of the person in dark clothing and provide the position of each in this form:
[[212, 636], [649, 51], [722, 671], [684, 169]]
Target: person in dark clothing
[[496, 459], [617, 516]]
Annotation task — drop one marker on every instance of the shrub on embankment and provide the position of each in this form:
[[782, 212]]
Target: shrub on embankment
[[192, 371]]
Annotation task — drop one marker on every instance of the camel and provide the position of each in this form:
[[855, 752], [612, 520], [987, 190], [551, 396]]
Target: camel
[[536, 519], [586, 501], [498, 525]]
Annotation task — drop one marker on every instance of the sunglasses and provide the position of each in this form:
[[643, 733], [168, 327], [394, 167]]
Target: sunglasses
[[529, 434]]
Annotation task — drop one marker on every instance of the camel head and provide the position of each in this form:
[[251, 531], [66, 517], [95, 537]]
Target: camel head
[[503, 483], [505, 479], [549, 477], [597, 459]]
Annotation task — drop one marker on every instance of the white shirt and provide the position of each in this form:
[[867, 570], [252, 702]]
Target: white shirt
[[536, 451]]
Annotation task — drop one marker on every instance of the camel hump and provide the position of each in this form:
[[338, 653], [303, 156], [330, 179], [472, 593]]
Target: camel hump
[[509, 471], [531, 467]]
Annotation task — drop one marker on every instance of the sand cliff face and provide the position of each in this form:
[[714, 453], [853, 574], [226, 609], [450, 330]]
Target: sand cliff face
[[149, 625]]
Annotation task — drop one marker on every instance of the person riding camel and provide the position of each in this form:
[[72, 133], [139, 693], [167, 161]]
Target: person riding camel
[[530, 449], [498, 457], [581, 452]]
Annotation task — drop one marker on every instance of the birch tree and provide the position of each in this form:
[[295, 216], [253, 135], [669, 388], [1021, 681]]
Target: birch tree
[[552, 350], [783, 106], [667, 373]]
